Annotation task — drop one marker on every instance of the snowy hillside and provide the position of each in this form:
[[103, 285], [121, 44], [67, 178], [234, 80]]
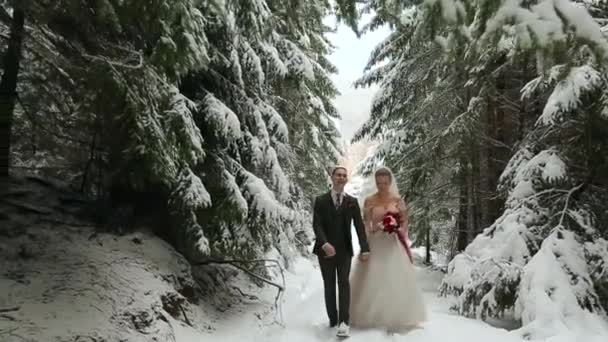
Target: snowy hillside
[[63, 281], [68, 284]]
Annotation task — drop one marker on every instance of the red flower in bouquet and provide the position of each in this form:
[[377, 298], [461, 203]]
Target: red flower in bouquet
[[391, 222]]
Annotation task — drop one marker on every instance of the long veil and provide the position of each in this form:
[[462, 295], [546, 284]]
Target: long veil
[[368, 187]]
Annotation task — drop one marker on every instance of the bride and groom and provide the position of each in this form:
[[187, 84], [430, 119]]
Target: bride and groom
[[381, 291]]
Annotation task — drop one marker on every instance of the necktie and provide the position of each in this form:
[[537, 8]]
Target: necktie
[[338, 200]]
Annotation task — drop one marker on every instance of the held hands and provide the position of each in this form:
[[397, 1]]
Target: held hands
[[330, 251], [377, 227]]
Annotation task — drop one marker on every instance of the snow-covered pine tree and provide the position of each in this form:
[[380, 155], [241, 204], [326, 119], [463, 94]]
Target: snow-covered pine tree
[[545, 257], [306, 95], [408, 119], [244, 134], [181, 110], [278, 59], [101, 97], [551, 187], [88, 84]]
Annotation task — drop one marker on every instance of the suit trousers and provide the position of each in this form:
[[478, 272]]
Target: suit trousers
[[336, 267]]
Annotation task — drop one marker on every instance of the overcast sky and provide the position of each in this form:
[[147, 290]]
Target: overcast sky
[[350, 57]]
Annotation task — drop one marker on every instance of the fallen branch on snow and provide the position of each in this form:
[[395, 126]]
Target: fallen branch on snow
[[234, 263], [15, 308], [184, 313], [9, 332], [9, 317]]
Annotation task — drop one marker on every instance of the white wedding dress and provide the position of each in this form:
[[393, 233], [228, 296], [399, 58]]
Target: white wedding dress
[[384, 291]]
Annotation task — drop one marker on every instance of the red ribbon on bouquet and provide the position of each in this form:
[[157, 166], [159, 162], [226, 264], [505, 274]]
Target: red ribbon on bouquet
[[391, 225]]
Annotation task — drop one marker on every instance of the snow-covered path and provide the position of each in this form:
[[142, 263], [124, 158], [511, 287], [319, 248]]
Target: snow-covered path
[[305, 319]]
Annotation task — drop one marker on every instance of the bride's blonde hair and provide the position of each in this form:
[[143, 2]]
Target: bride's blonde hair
[[368, 188], [383, 171]]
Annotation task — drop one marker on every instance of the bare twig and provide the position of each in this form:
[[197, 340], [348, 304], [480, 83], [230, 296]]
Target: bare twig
[[497, 264], [89, 162], [120, 64], [181, 308], [573, 190], [29, 208], [244, 294], [234, 263], [494, 142], [10, 309], [9, 332], [258, 277]]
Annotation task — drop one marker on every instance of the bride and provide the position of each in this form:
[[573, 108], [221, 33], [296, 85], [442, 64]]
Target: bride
[[384, 292]]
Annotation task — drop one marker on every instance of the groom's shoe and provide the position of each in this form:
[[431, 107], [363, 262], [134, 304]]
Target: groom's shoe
[[343, 330]]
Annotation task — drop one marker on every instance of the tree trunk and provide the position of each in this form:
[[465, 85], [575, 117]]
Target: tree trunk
[[477, 189], [427, 258], [504, 135], [471, 221], [492, 171], [485, 172], [461, 222], [8, 88]]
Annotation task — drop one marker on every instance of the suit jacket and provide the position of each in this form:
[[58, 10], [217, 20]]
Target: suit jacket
[[324, 221]]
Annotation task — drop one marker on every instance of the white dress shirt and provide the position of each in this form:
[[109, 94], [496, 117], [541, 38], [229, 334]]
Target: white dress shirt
[[334, 196]]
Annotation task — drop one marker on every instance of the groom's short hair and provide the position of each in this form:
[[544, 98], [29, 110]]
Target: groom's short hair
[[333, 172]]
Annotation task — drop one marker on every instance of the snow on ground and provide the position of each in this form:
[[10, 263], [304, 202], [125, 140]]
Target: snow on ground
[[108, 288], [71, 283], [305, 318]]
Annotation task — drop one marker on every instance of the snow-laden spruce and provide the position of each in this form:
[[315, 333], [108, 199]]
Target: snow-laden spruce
[[216, 114], [492, 113], [532, 260]]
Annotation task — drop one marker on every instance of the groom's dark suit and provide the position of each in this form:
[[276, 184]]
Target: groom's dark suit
[[332, 225]]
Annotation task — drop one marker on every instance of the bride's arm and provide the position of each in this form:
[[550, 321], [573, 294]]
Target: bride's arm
[[403, 213], [360, 229], [367, 216]]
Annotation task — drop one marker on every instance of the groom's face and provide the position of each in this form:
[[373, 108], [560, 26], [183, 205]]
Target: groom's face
[[339, 177]]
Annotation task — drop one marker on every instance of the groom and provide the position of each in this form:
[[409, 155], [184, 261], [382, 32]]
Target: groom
[[333, 213]]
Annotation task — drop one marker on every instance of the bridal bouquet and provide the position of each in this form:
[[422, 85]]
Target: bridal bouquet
[[391, 222]]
